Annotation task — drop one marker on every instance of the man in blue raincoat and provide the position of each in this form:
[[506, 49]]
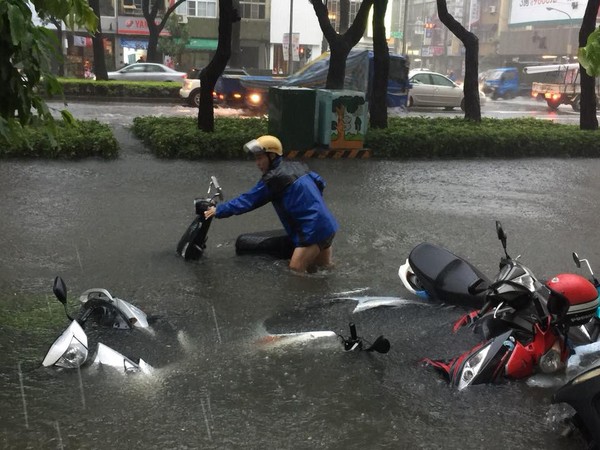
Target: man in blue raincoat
[[297, 195]]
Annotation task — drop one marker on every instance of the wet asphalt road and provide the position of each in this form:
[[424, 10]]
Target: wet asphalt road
[[218, 384]]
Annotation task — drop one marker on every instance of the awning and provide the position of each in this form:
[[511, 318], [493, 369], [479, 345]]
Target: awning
[[202, 44]]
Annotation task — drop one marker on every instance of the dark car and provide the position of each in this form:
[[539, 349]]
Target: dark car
[[191, 88]]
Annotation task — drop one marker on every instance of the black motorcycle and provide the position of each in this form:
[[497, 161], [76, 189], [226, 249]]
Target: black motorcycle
[[191, 246], [193, 242]]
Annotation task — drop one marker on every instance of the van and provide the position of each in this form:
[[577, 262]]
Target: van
[[358, 77]]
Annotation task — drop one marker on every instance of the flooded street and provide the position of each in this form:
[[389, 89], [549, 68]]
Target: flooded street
[[219, 382]]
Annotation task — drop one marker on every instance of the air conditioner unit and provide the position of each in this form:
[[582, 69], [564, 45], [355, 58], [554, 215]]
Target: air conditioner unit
[[182, 19], [493, 9]]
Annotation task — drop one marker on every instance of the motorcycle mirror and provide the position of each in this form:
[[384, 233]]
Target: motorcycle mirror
[[60, 290], [381, 345], [214, 183], [502, 236], [577, 260]]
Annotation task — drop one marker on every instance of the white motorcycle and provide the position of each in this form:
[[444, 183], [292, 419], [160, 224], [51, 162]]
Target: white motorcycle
[[71, 350]]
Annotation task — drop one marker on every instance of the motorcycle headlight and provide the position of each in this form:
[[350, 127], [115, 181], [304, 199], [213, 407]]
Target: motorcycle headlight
[[472, 367], [550, 362], [74, 356]]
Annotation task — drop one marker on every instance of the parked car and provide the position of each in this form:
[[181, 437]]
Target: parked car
[[429, 88], [147, 72], [190, 91]]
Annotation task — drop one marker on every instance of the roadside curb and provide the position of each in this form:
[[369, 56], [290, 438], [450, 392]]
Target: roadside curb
[[318, 153]]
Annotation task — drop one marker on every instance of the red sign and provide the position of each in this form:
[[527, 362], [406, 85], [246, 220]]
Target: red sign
[[136, 26]]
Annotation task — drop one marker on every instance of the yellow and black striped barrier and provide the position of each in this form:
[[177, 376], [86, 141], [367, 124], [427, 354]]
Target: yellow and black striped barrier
[[323, 153]]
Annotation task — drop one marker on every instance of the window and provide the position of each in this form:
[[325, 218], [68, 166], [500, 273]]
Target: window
[[107, 8], [333, 7], [132, 4], [439, 80], [202, 8], [252, 9], [421, 78]]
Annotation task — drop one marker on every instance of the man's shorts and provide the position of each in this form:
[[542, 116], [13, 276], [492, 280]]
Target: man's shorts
[[326, 243]]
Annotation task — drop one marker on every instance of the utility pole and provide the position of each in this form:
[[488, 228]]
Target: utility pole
[[290, 60]]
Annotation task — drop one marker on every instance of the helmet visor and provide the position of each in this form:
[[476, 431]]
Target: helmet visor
[[253, 147]]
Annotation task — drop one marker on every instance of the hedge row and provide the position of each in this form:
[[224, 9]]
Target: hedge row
[[76, 87], [84, 138], [492, 138], [174, 137], [422, 138]]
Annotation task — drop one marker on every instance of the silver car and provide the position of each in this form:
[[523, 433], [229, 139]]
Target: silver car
[[147, 72], [434, 89]]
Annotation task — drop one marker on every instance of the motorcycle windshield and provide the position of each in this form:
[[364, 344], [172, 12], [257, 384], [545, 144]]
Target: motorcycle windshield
[[445, 276], [515, 284]]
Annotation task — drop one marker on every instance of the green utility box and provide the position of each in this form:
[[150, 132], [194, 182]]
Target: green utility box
[[342, 119], [292, 117]]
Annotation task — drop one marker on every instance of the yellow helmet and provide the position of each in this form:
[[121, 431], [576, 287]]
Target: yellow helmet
[[266, 144]]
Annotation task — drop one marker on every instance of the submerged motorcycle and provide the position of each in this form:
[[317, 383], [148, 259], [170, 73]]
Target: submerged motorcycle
[[585, 331], [515, 299], [193, 242], [524, 322], [191, 246], [71, 350], [583, 394]]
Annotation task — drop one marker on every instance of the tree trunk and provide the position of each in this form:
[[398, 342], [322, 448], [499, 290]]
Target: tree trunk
[[61, 46], [98, 45], [587, 115], [341, 44], [211, 73], [471, 43], [381, 68], [236, 51], [154, 29]]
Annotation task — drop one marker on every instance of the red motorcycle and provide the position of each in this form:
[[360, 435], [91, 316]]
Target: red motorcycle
[[525, 323]]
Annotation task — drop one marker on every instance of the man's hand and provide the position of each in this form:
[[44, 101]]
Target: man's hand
[[210, 212]]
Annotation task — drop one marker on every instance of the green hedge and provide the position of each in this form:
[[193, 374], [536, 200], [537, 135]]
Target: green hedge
[[173, 137], [83, 139], [408, 137], [76, 87]]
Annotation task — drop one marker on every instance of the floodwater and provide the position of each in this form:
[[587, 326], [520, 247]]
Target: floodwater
[[218, 381]]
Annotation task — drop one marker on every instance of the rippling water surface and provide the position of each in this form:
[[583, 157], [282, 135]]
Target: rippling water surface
[[218, 383]]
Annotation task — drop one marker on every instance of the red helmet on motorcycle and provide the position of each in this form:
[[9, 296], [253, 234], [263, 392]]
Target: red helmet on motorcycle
[[581, 295]]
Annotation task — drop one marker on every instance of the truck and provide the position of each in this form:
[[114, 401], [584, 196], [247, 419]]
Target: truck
[[566, 90], [358, 77], [510, 82]]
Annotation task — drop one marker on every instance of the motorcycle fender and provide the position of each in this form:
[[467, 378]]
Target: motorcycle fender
[[524, 358]]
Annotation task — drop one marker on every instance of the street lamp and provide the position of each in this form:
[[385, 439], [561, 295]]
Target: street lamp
[[550, 8]]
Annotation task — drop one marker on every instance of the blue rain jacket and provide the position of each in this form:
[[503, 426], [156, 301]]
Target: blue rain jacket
[[297, 195]]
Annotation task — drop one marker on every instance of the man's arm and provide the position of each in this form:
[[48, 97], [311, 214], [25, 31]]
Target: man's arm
[[255, 198], [320, 182]]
